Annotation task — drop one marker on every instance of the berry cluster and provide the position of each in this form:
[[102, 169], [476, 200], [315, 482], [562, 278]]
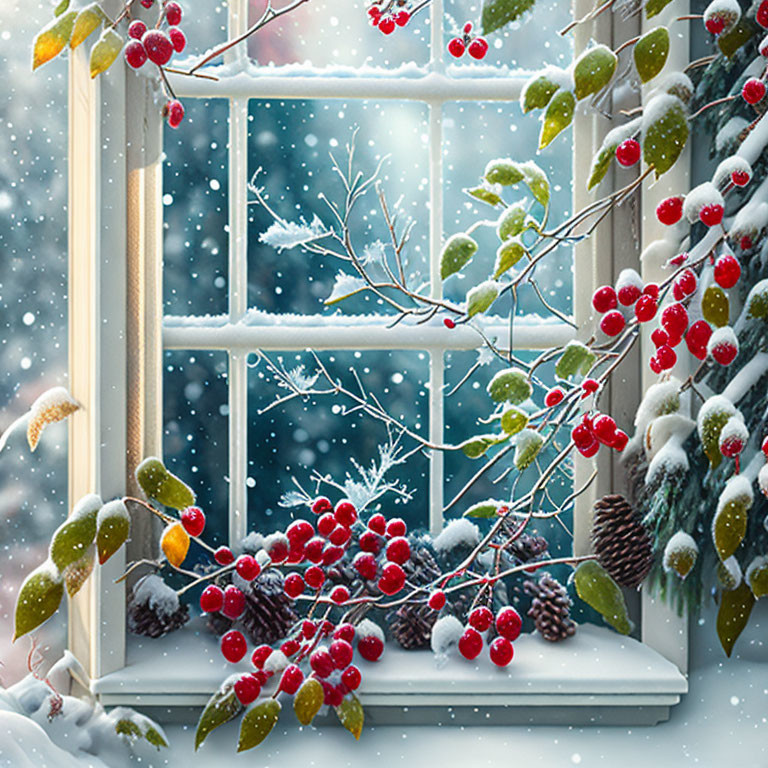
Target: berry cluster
[[597, 429], [476, 47], [507, 624], [158, 46], [670, 211], [630, 292], [386, 18]]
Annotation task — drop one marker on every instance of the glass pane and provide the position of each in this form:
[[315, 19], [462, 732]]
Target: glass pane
[[195, 431], [473, 134], [531, 43], [304, 437], [336, 33], [195, 183], [502, 481], [205, 26], [291, 141]]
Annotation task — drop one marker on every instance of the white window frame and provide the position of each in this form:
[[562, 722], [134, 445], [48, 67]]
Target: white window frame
[[117, 337]]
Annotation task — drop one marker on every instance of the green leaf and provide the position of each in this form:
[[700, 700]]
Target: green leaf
[[593, 71], [126, 727], [715, 306], [72, 538], [481, 297], [52, 39], [257, 724], [308, 700], [557, 118], [457, 251], [484, 194], [154, 737], [733, 615], [87, 21], [511, 384], [484, 510], [497, 13], [513, 420], [757, 301], [730, 42], [476, 446], [61, 7], [654, 7], [665, 132], [38, 599], [106, 50], [160, 484], [650, 53], [113, 525], [757, 576], [600, 165], [711, 419], [576, 358], [527, 448], [76, 574], [507, 255], [537, 181], [222, 707], [511, 221], [538, 91], [596, 588], [351, 715], [729, 525], [503, 171]]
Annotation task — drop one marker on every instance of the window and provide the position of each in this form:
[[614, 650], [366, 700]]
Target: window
[[432, 108]]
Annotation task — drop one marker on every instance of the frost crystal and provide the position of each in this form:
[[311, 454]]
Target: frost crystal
[[287, 234], [456, 533]]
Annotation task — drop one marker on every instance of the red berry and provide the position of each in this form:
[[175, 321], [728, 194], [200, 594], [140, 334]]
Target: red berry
[[481, 618], [173, 13], [467, 28], [339, 594], [501, 651], [628, 294], [398, 550], [247, 689], [604, 428], [293, 585], [178, 39], [158, 47], [341, 653], [135, 54], [645, 308], [659, 337], [588, 451], [679, 260], [136, 29], [449, 323], [715, 25], [332, 554], [674, 319], [212, 599], [723, 346], [470, 644], [326, 523], [686, 282], [651, 289], [590, 386], [370, 542], [247, 567], [370, 647], [761, 17], [290, 647], [582, 436], [340, 535], [175, 113], [193, 520], [365, 564], [321, 662], [508, 623], [727, 271], [396, 527], [402, 18], [351, 677], [670, 211], [374, 11], [740, 178], [697, 337], [653, 363], [387, 25], [291, 680], [604, 299], [456, 47], [314, 577], [711, 215], [313, 551], [666, 357], [628, 152], [554, 397], [308, 629], [764, 446], [147, 3], [753, 90], [478, 48], [620, 440], [378, 523], [321, 504], [233, 646], [746, 243], [234, 602], [392, 579], [299, 531], [335, 695], [613, 323], [345, 513], [437, 600], [224, 556]]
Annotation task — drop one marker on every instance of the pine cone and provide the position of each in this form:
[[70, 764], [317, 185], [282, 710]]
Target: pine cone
[[412, 625], [154, 609], [527, 547], [550, 609], [621, 542]]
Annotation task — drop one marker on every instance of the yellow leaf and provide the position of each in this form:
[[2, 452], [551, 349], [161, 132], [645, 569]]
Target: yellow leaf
[[175, 544], [106, 50], [52, 406], [87, 21], [52, 39]]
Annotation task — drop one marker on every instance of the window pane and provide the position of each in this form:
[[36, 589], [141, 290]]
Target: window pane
[[195, 183], [291, 142], [337, 33], [473, 134], [302, 437], [204, 24], [195, 431]]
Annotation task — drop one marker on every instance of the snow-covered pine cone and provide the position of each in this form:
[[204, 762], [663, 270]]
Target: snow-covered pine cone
[[527, 547], [154, 609], [550, 608], [621, 542]]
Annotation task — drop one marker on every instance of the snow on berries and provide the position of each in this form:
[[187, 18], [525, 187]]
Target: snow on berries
[[629, 287], [721, 16], [475, 46], [387, 19], [704, 203], [723, 346]]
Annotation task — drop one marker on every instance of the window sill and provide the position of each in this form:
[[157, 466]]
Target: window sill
[[595, 677]]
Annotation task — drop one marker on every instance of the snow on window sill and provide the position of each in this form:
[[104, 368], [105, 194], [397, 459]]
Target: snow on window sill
[[596, 669]]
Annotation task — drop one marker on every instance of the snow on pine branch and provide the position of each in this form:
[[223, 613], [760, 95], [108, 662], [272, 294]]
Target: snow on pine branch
[[285, 235]]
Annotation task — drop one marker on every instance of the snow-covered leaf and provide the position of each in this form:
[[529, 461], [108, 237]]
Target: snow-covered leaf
[[113, 525], [285, 235], [53, 38], [73, 537], [483, 510], [511, 384], [650, 53], [527, 446], [729, 525], [593, 70], [757, 301], [52, 406], [539, 89], [351, 715], [484, 194], [87, 22], [258, 724], [665, 132], [105, 51], [38, 599], [344, 287], [507, 255], [557, 118], [576, 358], [680, 554], [757, 576], [596, 588], [77, 573], [498, 13], [513, 420], [477, 446], [222, 707], [733, 615], [292, 499], [511, 221], [503, 171], [713, 415], [732, 40], [481, 297], [537, 181], [457, 251], [160, 484]]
